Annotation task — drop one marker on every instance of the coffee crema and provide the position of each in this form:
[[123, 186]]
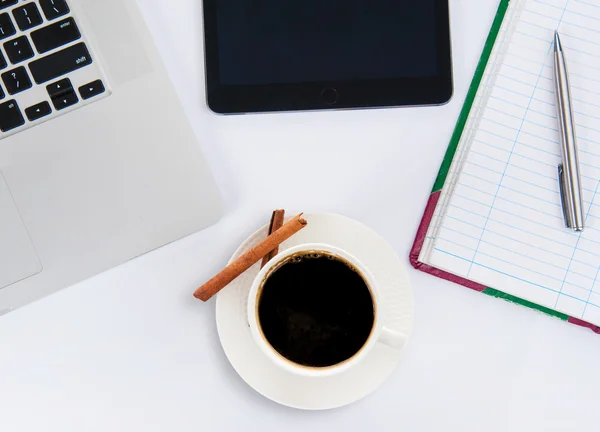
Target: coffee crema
[[316, 310]]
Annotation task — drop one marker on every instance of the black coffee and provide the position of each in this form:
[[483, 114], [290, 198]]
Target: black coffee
[[316, 310]]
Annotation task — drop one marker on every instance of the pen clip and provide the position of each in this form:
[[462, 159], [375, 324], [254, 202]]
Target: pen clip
[[563, 196]]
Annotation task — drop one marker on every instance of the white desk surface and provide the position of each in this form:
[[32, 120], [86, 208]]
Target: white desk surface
[[131, 350]]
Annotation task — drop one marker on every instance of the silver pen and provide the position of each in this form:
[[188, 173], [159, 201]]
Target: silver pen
[[568, 171]]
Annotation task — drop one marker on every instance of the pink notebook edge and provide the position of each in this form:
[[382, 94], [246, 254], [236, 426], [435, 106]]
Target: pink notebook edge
[[426, 268]]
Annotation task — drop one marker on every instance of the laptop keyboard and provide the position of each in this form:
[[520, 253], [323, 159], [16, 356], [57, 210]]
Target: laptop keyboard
[[47, 68]]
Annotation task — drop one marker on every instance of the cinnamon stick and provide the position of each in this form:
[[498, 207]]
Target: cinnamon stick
[[276, 223], [247, 260]]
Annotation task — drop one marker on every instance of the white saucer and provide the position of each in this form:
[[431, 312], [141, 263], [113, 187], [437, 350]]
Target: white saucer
[[342, 389]]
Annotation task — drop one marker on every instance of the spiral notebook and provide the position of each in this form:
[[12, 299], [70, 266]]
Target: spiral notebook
[[494, 220]]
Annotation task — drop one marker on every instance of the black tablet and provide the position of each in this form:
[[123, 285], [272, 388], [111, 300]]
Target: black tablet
[[282, 55]]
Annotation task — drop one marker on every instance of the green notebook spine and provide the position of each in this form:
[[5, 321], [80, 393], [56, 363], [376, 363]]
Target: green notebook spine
[[468, 105], [510, 298]]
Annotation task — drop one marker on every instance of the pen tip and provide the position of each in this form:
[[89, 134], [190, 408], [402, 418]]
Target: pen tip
[[557, 43]]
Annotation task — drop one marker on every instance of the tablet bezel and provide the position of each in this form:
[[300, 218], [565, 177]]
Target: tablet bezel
[[227, 99]]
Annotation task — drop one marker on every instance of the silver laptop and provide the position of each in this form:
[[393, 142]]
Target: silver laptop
[[98, 163]]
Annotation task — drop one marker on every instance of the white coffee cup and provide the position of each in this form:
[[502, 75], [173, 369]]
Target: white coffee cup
[[379, 333]]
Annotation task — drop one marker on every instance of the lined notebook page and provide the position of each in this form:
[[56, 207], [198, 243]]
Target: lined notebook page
[[503, 225]]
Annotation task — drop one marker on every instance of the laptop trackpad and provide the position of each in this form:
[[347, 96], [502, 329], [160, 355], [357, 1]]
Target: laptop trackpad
[[18, 259]]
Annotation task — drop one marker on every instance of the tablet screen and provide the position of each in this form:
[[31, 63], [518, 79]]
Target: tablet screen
[[264, 42]]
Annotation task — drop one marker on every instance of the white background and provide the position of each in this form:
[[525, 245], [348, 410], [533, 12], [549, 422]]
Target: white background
[[131, 350]]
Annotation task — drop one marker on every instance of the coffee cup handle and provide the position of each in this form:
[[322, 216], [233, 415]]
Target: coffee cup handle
[[392, 338]]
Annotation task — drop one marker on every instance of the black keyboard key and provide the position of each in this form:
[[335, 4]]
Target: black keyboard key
[[38, 111], [60, 63], [54, 8], [65, 100], [27, 16], [16, 80], [6, 3], [18, 50], [92, 89], [2, 61], [10, 116], [2, 93], [55, 35], [62, 94], [59, 88], [7, 28]]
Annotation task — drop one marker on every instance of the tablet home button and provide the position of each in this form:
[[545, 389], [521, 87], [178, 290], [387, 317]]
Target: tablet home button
[[329, 96]]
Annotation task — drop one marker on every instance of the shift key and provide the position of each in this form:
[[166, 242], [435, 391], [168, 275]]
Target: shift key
[[60, 63]]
